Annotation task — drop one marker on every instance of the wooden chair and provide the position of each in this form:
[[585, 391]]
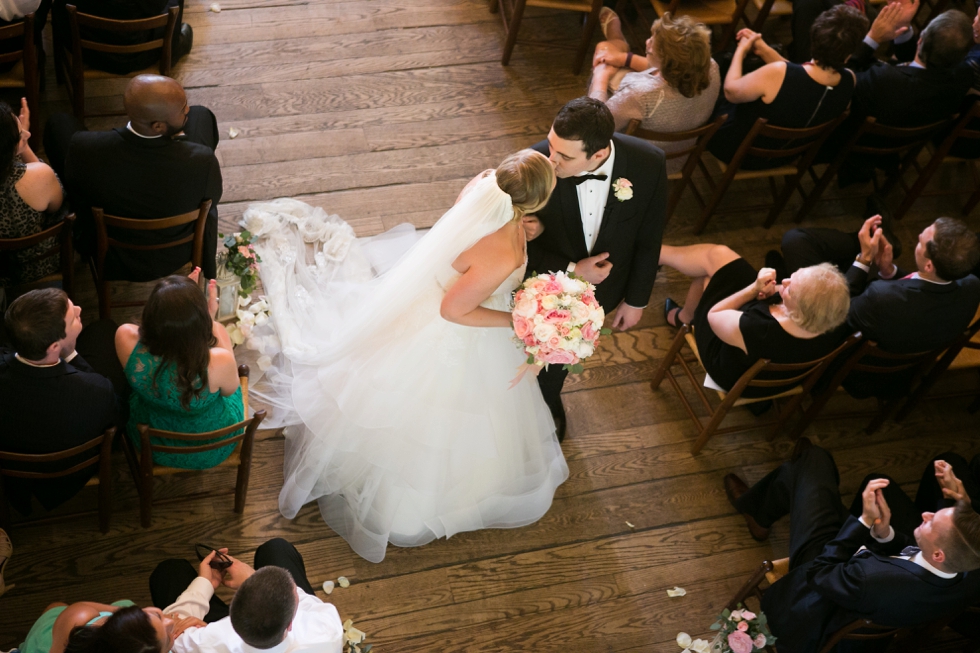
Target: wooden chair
[[867, 358], [770, 572], [69, 63], [101, 449], [961, 130], [103, 242], [726, 14], [802, 144], [512, 11], [803, 376], [962, 356], [780, 9], [701, 137], [905, 142], [62, 232], [144, 469], [24, 74]]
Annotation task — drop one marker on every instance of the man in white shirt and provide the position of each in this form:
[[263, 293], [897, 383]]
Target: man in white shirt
[[274, 609], [846, 565]]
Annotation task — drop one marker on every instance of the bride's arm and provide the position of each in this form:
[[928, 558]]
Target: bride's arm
[[485, 266]]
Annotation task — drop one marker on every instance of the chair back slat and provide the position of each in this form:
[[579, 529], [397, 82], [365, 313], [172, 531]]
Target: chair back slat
[[121, 49], [114, 25], [62, 233], [809, 140], [11, 244], [147, 433], [809, 371], [46, 458], [703, 132], [12, 31], [903, 138]]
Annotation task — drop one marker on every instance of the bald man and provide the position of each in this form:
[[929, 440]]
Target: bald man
[[160, 164]]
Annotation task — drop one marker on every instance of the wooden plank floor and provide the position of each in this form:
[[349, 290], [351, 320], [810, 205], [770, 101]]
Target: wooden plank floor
[[380, 111]]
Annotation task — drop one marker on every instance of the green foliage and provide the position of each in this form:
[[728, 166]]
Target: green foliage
[[242, 259]]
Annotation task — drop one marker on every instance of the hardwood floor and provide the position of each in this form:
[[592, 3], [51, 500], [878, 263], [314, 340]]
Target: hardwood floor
[[380, 111]]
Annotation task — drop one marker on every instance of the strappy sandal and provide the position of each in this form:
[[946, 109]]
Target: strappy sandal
[[672, 307], [606, 15], [6, 550]]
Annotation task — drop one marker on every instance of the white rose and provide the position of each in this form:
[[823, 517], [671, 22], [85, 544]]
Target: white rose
[[580, 312], [683, 640], [549, 302], [543, 332]]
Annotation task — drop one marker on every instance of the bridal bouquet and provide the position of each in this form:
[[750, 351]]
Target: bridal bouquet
[[557, 320]]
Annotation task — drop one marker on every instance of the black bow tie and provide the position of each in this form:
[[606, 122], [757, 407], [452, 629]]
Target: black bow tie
[[909, 551], [584, 178]]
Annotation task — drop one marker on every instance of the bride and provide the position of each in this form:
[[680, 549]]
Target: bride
[[394, 375]]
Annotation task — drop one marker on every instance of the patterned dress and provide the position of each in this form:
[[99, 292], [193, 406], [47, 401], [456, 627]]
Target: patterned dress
[[158, 405], [18, 219]]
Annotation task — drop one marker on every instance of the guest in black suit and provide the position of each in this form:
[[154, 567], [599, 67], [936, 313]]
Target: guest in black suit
[[831, 581], [122, 64], [903, 313], [160, 165], [926, 88], [51, 397], [604, 222]]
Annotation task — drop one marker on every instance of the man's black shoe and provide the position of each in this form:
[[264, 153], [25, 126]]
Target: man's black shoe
[[185, 41]]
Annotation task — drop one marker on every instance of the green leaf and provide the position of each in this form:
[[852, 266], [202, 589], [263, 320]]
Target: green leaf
[[605, 332], [714, 626], [530, 359], [575, 369], [367, 649]]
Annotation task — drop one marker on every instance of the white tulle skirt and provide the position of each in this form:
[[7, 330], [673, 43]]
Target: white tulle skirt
[[414, 434]]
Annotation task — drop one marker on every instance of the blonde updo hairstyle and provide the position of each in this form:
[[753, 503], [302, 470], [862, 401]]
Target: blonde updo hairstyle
[[822, 296], [528, 177]]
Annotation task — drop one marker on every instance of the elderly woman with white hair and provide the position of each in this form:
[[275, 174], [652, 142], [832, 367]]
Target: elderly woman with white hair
[[736, 325]]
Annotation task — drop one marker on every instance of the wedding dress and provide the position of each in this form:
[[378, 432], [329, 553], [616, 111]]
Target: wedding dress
[[401, 425]]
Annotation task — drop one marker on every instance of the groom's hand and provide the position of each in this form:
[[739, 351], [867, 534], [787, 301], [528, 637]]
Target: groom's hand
[[532, 227], [626, 317], [594, 269]]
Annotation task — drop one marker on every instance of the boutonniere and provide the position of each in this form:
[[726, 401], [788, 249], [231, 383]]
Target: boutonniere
[[623, 189]]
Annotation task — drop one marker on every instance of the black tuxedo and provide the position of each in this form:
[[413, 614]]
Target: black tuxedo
[[828, 586], [630, 231], [119, 64], [43, 410], [136, 177]]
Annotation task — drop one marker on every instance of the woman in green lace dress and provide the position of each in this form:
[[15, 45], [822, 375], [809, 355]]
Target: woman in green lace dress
[[180, 365]]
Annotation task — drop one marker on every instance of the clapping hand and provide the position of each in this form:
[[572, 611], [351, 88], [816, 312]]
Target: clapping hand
[[765, 283], [749, 41], [24, 119], [893, 20], [875, 509], [869, 237], [209, 573], [212, 291], [951, 486]]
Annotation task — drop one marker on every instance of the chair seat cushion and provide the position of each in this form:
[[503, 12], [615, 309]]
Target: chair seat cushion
[[709, 12]]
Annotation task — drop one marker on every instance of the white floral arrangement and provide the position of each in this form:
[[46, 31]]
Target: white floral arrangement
[[354, 639], [251, 315], [623, 189]]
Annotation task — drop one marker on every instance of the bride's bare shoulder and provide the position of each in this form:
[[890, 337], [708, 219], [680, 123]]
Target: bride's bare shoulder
[[493, 251]]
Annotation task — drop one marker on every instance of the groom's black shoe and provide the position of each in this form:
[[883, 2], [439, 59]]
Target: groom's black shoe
[[559, 423]]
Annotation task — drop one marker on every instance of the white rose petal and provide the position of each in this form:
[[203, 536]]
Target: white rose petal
[[328, 586], [683, 640], [264, 363], [244, 301], [353, 635], [630, 525], [216, 8], [701, 646], [677, 591], [253, 344], [343, 582], [232, 132], [261, 319], [235, 334]]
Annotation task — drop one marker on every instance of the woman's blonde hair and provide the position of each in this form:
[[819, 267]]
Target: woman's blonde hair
[[822, 296], [528, 177], [683, 46]]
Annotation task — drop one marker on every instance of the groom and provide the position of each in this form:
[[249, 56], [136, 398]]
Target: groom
[[604, 222]]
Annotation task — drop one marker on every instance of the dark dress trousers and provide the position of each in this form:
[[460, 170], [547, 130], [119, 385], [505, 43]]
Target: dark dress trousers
[[831, 584], [135, 177], [630, 231], [44, 410]]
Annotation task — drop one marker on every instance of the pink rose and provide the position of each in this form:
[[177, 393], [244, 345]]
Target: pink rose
[[560, 357], [589, 332], [739, 642], [759, 641], [552, 287], [554, 342], [743, 626], [557, 316], [521, 327], [536, 284], [244, 251], [747, 615]]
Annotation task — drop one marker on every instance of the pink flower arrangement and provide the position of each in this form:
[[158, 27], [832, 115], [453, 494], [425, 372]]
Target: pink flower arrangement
[[742, 631], [557, 320]]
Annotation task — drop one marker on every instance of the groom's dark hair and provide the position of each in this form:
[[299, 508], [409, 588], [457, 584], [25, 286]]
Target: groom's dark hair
[[588, 120]]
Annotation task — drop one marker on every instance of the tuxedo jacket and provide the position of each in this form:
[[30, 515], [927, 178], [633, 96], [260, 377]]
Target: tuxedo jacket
[[813, 601], [631, 231], [135, 177], [119, 64], [43, 410]]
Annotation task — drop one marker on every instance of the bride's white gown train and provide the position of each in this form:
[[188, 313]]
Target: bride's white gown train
[[403, 428]]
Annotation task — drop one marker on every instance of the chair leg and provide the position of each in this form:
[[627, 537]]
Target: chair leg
[[667, 362], [591, 21], [715, 199], [712, 425], [241, 487], [5, 519], [791, 407], [146, 499], [494, 6], [818, 190], [105, 307], [513, 27], [881, 416], [675, 197], [972, 202]]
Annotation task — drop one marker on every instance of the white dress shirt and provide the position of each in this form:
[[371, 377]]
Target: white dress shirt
[[917, 559], [592, 196], [316, 627]]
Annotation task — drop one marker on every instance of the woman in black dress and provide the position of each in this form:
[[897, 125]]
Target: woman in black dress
[[788, 94], [734, 323]]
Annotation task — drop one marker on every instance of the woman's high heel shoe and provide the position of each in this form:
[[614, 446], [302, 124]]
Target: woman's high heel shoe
[[6, 550], [670, 306]]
